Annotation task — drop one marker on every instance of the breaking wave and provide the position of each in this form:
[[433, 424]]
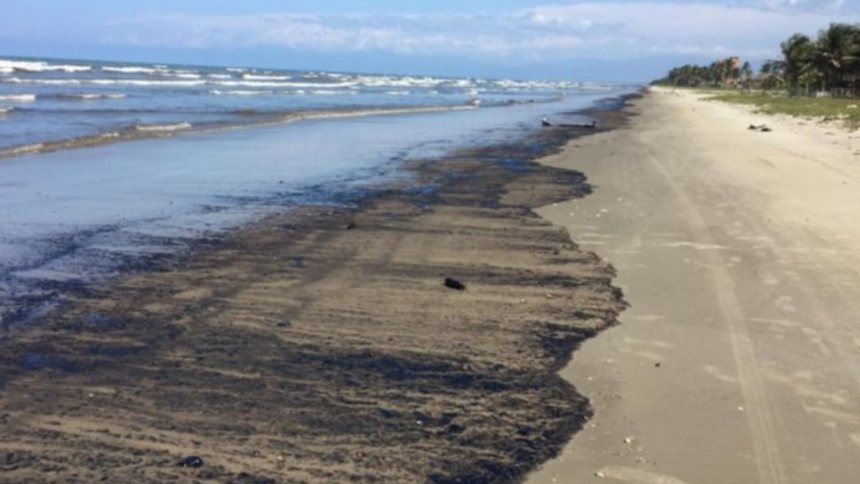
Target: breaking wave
[[8, 66]]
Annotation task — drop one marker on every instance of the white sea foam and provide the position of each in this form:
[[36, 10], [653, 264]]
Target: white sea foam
[[18, 98], [235, 69], [256, 77], [220, 76], [5, 110], [162, 127]]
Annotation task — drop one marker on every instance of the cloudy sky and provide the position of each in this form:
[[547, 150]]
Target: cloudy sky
[[614, 40]]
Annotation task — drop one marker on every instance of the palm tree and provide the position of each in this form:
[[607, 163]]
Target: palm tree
[[798, 53], [772, 74], [835, 53], [746, 71]]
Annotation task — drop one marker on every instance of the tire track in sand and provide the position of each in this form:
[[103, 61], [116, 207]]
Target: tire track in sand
[[771, 468]]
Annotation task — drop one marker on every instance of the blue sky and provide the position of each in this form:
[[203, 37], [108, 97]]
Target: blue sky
[[614, 40]]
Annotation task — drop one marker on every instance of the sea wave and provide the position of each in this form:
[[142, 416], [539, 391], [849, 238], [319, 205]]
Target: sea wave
[[388, 81], [22, 150], [259, 77], [179, 83], [6, 110], [323, 92], [107, 82], [183, 75], [132, 69], [157, 71], [189, 79], [287, 84], [140, 82], [43, 82], [237, 92], [18, 98], [86, 96], [8, 65]]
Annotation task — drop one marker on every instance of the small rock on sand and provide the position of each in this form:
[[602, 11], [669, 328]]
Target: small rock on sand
[[454, 284], [191, 461]]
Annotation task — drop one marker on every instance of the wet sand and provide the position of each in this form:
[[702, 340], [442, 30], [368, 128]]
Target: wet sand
[[322, 346], [737, 360]]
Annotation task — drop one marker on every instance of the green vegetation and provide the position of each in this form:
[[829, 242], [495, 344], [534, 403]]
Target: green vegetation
[[847, 110], [828, 64]]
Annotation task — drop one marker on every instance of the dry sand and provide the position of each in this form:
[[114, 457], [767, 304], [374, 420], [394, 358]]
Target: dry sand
[[322, 345], [738, 360]]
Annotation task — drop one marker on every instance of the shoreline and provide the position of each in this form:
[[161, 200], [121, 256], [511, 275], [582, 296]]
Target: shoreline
[[322, 345]]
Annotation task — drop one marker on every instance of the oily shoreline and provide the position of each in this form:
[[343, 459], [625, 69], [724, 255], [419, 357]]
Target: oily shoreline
[[321, 345]]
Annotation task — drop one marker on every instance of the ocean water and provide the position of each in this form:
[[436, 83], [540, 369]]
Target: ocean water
[[103, 165], [48, 104]]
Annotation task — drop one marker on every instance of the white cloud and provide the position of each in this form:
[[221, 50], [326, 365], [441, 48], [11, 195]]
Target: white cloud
[[611, 30]]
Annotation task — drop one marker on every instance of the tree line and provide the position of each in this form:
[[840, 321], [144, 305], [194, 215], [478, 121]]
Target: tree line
[[828, 63]]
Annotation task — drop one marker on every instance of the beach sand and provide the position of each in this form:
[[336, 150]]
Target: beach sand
[[738, 360], [321, 345]]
